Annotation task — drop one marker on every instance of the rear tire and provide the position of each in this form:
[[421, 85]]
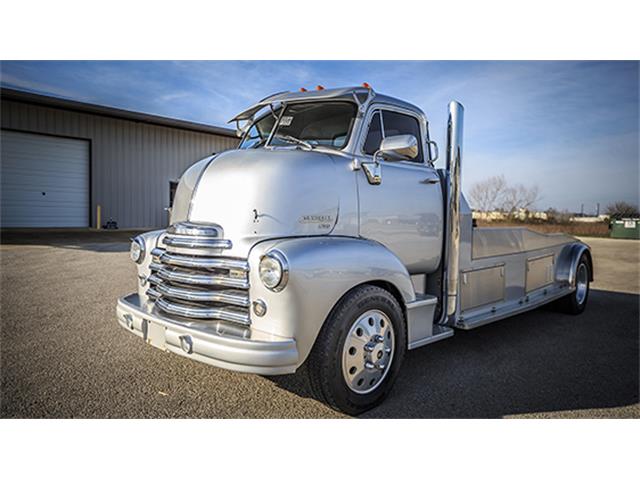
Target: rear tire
[[576, 302], [359, 351]]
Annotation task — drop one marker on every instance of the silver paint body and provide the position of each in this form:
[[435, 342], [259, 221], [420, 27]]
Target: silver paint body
[[529, 269], [337, 231]]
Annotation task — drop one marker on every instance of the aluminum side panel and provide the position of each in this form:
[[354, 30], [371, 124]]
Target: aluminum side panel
[[493, 242], [540, 272], [482, 287]]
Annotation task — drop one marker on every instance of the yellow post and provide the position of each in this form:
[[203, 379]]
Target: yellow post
[[98, 222]]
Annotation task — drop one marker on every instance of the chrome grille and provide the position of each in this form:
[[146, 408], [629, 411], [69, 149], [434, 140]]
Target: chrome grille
[[192, 278]]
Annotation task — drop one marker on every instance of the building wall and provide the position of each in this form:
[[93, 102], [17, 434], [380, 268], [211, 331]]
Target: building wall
[[131, 162]]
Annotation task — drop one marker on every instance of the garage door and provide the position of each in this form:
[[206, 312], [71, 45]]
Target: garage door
[[44, 181]]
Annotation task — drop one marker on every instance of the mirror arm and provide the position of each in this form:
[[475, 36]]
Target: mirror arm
[[356, 164], [436, 154], [376, 156]]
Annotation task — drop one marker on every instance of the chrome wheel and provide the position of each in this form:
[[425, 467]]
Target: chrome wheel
[[368, 351], [582, 283]]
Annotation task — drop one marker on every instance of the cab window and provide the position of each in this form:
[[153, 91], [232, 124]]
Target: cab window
[[374, 137], [401, 124], [394, 124]]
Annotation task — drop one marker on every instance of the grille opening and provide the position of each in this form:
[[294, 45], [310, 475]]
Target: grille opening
[[192, 279]]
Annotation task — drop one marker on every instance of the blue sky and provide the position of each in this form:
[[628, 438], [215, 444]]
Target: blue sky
[[569, 127]]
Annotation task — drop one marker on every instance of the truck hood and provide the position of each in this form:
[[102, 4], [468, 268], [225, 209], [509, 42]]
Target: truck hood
[[257, 194]]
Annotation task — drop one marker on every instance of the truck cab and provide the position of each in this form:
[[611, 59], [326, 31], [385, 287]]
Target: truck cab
[[328, 238]]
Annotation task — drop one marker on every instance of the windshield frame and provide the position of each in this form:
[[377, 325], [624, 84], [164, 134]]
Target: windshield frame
[[285, 106], [280, 109], [272, 112]]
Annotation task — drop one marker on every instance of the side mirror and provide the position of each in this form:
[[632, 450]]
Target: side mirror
[[399, 147]]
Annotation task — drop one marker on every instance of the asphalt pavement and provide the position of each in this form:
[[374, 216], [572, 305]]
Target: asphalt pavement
[[63, 355]]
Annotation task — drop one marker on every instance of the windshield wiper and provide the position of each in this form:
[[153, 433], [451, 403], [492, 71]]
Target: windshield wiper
[[295, 141], [259, 143]]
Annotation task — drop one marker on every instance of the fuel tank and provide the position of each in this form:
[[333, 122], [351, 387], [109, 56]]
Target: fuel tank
[[258, 194]]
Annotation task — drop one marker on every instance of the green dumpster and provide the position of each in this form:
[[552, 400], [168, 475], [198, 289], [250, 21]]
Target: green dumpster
[[625, 228]]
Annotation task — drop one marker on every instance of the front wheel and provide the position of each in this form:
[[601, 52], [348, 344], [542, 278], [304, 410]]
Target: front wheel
[[359, 350], [576, 302]]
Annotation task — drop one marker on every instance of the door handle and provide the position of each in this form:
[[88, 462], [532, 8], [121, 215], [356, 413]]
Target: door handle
[[431, 181]]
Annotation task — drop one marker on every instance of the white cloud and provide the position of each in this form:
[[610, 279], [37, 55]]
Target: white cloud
[[37, 86]]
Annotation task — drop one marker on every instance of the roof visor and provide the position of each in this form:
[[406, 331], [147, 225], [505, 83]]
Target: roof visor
[[359, 95]]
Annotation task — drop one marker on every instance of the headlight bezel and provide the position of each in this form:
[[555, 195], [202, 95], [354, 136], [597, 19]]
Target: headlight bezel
[[139, 242], [281, 260]]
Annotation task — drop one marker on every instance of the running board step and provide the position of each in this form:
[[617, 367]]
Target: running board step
[[440, 332], [420, 317]]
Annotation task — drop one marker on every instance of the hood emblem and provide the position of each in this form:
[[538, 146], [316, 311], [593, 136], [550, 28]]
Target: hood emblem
[[316, 219]]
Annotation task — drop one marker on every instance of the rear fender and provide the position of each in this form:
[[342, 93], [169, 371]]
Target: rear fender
[[568, 263]]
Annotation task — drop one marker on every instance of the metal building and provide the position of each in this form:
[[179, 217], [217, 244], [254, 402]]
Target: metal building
[[61, 159]]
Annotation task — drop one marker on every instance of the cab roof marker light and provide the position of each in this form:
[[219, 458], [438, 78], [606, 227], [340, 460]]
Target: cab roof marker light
[[319, 87], [302, 89], [366, 85]]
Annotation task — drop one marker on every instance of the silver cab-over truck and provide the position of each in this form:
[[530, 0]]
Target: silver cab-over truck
[[329, 239]]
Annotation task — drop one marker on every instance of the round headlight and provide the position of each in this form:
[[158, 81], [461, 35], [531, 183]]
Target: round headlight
[[137, 250], [274, 270]]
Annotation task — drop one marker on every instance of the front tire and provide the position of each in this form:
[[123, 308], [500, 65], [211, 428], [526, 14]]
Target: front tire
[[359, 350], [576, 302]]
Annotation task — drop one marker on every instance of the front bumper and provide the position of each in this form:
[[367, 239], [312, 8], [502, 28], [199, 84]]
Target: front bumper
[[214, 343]]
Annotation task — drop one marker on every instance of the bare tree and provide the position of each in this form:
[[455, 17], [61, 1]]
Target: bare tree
[[519, 197], [558, 217], [495, 194], [620, 210], [487, 194]]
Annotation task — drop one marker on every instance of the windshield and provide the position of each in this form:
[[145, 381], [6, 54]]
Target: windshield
[[259, 132], [322, 123]]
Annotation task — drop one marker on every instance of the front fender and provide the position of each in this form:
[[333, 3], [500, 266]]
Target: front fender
[[321, 271]]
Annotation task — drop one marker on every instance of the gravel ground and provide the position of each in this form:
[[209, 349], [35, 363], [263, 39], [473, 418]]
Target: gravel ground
[[63, 355]]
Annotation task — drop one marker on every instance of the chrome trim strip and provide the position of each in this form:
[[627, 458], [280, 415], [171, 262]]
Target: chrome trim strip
[[199, 262], [203, 313], [202, 279], [196, 242], [195, 230], [231, 297]]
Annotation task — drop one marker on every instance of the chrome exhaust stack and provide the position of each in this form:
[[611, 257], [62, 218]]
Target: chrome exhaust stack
[[454, 159]]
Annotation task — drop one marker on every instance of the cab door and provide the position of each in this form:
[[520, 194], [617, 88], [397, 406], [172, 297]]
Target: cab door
[[405, 211]]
